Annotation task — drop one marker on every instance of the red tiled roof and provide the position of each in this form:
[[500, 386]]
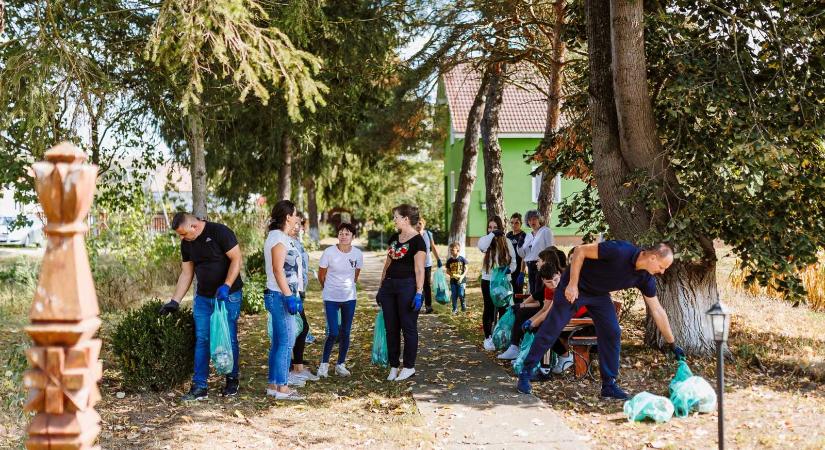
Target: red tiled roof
[[523, 108]]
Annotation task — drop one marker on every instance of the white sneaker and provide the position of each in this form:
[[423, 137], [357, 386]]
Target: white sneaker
[[291, 395], [323, 370], [341, 370], [510, 353], [404, 374], [563, 363], [488, 344], [307, 375], [295, 380], [393, 374]]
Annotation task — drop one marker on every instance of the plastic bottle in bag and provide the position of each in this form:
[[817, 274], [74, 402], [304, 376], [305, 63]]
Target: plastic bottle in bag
[[645, 405], [220, 342]]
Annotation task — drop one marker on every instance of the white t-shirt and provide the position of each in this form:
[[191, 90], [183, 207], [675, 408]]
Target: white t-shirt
[[292, 261], [339, 285]]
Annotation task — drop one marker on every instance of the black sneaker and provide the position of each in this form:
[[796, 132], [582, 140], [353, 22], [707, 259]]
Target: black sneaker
[[231, 388], [428, 311], [613, 392], [195, 394]]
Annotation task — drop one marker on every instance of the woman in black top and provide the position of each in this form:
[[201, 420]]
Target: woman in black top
[[399, 294]]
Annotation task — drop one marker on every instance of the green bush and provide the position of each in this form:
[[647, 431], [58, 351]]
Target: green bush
[[154, 351], [254, 264], [253, 295]]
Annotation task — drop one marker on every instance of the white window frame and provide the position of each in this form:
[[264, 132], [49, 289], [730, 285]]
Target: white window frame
[[536, 185], [452, 186], [557, 189]]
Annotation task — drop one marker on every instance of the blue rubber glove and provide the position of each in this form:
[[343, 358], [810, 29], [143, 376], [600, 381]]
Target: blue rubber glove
[[439, 262], [292, 303], [527, 325], [677, 351], [417, 301], [520, 278], [507, 270], [170, 307], [223, 292]]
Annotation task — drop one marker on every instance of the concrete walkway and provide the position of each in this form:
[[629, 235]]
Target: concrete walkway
[[466, 399]]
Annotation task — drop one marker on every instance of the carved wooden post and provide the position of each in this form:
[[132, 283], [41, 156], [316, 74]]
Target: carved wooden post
[[65, 369]]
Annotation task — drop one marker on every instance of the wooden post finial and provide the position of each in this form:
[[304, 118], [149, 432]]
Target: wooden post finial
[[64, 366]]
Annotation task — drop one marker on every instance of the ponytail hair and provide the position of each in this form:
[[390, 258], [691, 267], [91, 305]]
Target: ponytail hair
[[281, 210]]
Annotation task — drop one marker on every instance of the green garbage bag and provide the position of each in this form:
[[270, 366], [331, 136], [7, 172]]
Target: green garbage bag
[[299, 324], [220, 343], [380, 356], [440, 286], [689, 392], [645, 405], [524, 349], [501, 289], [503, 330]]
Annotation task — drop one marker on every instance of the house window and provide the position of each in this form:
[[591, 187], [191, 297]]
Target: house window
[[536, 186], [452, 186]]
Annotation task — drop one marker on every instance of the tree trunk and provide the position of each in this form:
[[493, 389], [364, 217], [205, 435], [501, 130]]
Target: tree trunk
[[312, 209], [469, 164], [685, 291], [197, 163], [551, 141], [493, 173], [285, 173], [609, 167]]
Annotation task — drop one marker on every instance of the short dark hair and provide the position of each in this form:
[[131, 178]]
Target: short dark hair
[[345, 226], [516, 216], [277, 218], [454, 244], [661, 249], [181, 219], [549, 269], [408, 211]]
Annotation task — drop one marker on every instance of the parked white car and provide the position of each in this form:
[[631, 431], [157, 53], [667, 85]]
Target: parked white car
[[25, 235]]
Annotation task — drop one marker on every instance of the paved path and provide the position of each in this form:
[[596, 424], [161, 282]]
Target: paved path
[[467, 400]]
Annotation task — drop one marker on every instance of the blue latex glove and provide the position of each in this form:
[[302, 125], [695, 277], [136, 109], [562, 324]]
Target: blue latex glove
[[170, 307], [292, 304], [223, 292], [677, 351], [439, 262], [520, 278], [507, 270], [527, 325], [417, 301]]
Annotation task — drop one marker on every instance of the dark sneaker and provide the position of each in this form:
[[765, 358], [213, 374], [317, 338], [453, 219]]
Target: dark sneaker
[[428, 311], [523, 385], [613, 392], [195, 394], [231, 388]]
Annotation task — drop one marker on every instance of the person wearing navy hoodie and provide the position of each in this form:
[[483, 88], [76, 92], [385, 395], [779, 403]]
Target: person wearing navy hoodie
[[594, 272]]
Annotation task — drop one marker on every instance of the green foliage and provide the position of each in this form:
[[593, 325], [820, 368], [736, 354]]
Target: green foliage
[[224, 38], [154, 351], [253, 295], [19, 273]]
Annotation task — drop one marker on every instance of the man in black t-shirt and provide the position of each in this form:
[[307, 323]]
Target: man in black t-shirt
[[210, 254], [516, 237]]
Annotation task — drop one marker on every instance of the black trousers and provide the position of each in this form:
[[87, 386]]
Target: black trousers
[[300, 340], [395, 296], [534, 280], [490, 313], [428, 292]]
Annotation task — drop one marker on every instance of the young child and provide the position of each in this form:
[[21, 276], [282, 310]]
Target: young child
[[457, 271]]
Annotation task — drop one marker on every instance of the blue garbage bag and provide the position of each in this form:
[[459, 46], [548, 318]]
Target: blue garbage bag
[[380, 355], [645, 405], [440, 286], [501, 289], [524, 349], [220, 342], [689, 392], [503, 330]]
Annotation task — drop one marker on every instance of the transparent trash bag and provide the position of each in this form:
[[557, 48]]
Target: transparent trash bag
[[380, 356], [502, 331], [220, 342], [645, 405], [501, 289], [440, 286], [299, 325], [689, 392]]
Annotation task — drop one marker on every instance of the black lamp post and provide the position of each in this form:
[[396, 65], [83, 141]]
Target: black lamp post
[[720, 321]]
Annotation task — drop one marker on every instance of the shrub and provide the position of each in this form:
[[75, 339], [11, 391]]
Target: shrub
[[253, 295], [254, 264], [154, 351]]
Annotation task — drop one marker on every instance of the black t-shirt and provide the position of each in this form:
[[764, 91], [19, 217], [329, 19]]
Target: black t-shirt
[[208, 253], [457, 266], [402, 256], [517, 240]]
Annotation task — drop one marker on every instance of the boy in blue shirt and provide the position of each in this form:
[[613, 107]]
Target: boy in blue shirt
[[457, 271], [594, 272]]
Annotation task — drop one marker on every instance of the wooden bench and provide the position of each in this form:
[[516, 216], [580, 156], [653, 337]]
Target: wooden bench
[[581, 345]]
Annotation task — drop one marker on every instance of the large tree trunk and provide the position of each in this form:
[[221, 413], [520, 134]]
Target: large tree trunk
[[551, 141], [493, 173], [197, 162], [686, 291], [312, 209], [469, 164], [285, 172]]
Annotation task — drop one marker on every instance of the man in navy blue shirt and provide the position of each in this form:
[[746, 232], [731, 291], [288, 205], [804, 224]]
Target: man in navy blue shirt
[[595, 271]]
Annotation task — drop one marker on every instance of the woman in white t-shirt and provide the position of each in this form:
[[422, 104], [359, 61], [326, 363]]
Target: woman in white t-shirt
[[282, 261], [338, 273]]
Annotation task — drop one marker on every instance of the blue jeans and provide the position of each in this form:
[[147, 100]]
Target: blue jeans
[[396, 296], [456, 294], [202, 311], [347, 313], [283, 337]]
